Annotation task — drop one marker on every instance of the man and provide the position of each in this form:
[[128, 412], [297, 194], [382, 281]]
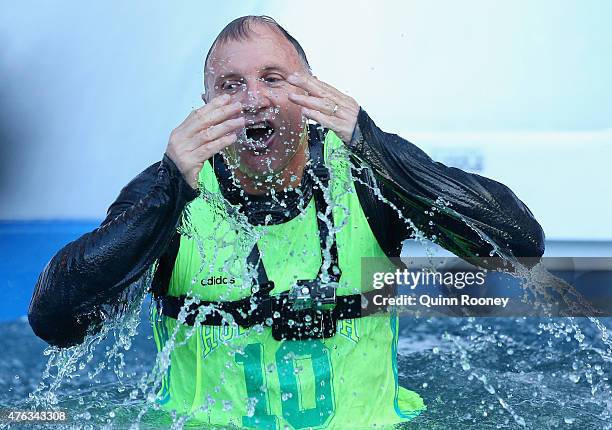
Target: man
[[258, 297]]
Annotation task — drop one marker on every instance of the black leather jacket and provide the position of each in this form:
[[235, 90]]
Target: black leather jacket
[[94, 271]]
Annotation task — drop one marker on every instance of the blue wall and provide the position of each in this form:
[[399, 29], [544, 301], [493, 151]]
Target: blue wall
[[25, 248]]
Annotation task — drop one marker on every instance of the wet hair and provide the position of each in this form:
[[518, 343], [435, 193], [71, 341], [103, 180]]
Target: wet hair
[[240, 29]]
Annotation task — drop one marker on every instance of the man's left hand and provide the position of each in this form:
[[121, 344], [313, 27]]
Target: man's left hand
[[325, 105]]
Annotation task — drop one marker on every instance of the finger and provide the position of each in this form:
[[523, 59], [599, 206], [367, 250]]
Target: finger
[[220, 130], [331, 90], [215, 103], [204, 152], [308, 83], [204, 120], [323, 119], [323, 105], [218, 101], [320, 88]]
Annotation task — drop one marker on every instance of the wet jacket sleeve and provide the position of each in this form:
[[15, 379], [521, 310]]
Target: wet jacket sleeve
[[97, 268], [462, 212]]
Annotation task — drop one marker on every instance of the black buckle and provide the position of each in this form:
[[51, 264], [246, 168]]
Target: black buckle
[[290, 324], [303, 313]]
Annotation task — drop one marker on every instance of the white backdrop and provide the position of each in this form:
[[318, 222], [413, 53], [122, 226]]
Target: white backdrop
[[90, 92]]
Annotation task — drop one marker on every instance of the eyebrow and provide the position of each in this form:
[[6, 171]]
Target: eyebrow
[[274, 68]]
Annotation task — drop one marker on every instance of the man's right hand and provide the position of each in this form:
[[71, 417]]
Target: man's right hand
[[205, 132]]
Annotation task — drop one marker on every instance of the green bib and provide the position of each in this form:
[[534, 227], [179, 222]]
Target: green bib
[[229, 375]]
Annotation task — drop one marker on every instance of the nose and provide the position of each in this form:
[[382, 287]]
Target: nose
[[254, 97]]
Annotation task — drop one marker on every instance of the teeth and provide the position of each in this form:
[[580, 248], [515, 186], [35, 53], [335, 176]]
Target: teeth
[[259, 125]]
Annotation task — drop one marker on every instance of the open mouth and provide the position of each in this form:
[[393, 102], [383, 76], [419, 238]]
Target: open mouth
[[259, 135]]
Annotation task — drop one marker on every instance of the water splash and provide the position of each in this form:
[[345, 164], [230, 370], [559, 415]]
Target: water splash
[[500, 360]]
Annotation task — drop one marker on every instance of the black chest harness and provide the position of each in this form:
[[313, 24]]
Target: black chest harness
[[310, 310]]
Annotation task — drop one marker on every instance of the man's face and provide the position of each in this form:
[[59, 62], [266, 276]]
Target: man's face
[[254, 72]]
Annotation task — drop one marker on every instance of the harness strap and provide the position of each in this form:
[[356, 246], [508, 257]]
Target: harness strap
[[320, 171], [260, 308]]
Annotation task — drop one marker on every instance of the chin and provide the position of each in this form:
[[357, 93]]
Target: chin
[[261, 166], [254, 165]]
